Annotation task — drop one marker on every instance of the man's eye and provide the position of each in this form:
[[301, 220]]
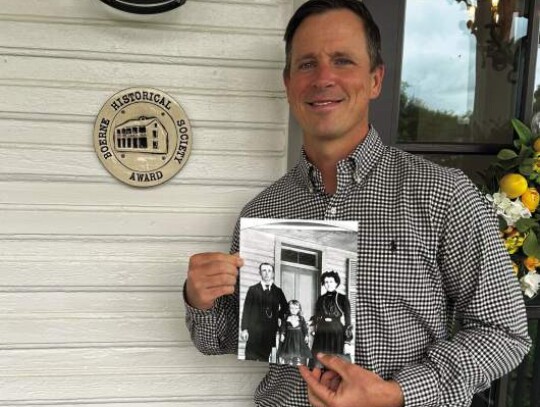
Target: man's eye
[[306, 65], [343, 61]]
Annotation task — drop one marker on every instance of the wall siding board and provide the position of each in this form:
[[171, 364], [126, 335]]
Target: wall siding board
[[189, 384], [194, 197], [129, 38], [91, 310], [111, 329], [114, 223], [92, 274], [222, 401], [67, 73], [199, 167], [247, 14], [23, 133], [87, 102], [116, 360], [106, 249], [63, 302]]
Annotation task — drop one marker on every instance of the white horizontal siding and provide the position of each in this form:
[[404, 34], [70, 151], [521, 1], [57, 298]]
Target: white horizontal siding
[[62, 72], [107, 195], [233, 14], [20, 98], [91, 309], [32, 160], [130, 38], [191, 383]]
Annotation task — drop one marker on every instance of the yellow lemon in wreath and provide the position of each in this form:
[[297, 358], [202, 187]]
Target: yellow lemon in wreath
[[531, 199], [513, 185]]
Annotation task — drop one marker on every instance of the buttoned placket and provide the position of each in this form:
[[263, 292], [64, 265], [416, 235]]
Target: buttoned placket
[[346, 179]]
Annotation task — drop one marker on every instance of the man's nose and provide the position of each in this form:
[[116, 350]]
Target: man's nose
[[324, 76]]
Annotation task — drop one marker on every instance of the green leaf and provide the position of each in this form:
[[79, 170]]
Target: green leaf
[[502, 223], [524, 224], [526, 169], [517, 144], [506, 154], [508, 166], [526, 152], [523, 132], [531, 246]]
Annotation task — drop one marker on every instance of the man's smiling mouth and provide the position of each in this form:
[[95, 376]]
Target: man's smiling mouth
[[323, 103]]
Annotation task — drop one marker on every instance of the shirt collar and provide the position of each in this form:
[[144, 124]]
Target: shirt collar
[[356, 166]]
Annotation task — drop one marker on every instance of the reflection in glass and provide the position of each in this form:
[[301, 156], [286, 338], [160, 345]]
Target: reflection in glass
[[523, 386], [472, 165], [461, 68]]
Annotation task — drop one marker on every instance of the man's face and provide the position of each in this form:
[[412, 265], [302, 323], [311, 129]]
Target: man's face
[[330, 85], [267, 273]]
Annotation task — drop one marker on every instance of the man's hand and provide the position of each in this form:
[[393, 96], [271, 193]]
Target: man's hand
[[348, 385], [244, 335], [211, 275]]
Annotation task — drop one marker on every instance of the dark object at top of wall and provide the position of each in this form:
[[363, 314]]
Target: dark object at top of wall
[[144, 6]]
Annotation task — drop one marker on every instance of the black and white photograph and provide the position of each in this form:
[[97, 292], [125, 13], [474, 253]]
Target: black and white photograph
[[297, 290]]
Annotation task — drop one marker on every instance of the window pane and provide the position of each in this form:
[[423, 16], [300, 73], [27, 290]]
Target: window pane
[[536, 96], [289, 255], [462, 63], [308, 259]]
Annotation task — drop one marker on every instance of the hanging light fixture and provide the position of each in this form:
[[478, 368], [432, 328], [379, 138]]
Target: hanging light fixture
[[495, 11], [498, 46]]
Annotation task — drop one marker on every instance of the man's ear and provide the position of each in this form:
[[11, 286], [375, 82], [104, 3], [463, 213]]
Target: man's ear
[[377, 77], [286, 78]]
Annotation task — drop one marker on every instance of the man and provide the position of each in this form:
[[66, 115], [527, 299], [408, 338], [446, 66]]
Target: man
[[439, 313], [264, 309]]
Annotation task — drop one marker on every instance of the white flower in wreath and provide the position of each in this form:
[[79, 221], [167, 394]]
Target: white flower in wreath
[[511, 211], [530, 283]]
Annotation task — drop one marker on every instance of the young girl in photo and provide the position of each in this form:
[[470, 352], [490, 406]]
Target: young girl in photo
[[293, 349]]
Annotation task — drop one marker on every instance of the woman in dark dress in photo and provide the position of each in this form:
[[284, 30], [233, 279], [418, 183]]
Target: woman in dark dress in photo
[[293, 349], [332, 319]]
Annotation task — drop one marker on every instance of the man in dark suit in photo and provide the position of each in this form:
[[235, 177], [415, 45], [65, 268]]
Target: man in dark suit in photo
[[264, 308]]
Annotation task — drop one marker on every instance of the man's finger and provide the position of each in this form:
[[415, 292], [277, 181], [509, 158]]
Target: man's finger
[[334, 363], [316, 373], [320, 391], [216, 292], [329, 379], [203, 258], [220, 280]]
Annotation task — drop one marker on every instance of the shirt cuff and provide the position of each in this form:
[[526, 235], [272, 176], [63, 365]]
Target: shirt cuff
[[195, 314], [419, 384]]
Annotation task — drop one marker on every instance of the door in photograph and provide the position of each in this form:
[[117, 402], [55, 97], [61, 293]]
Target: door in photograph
[[299, 277]]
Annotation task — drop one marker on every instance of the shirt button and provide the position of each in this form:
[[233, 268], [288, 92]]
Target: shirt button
[[356, 178], [333, 210]]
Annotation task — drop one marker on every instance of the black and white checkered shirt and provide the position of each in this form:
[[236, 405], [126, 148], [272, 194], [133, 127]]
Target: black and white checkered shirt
[[429, 254]]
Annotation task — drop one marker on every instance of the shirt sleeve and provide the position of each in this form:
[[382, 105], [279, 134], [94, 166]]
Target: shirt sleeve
[[484, 297], [215, 331]]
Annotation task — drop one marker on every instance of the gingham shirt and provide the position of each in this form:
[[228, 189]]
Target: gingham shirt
[[428, 254]]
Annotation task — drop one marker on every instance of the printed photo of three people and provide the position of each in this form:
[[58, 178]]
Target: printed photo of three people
[[297, 290]]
